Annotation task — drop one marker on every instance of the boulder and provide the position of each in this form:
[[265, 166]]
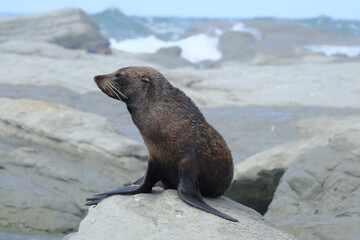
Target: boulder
[[256, 179], [319, 195], [70, 28], [168, 57], [237, 46], [170, 51], [162, 215], [52, 157]]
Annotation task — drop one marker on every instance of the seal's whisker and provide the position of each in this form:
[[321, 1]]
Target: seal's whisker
[[111, 90], [107, 88], [115, 90]]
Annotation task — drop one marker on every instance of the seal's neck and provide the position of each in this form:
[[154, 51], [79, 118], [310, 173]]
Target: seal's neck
[[140, 113], [136, 107], [133, 109]]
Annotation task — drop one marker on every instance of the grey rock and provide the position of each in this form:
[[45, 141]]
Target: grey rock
[[26, 206], [40, 49], [327, 124], [164, 216], [70, 28], [170, 51], [52, 157], [256, 179], [41, 63], [57, 126], [319, 195], [169, 57]]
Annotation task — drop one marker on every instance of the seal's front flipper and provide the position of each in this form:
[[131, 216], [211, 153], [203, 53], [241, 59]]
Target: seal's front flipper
[[94, 200], [189, 192], [148, 181], [133, 189]]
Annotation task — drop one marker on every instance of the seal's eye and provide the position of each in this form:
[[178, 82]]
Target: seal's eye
[[144, 79], [119, 75]]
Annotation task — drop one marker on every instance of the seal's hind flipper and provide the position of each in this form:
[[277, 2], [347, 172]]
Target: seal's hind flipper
[[139, 181], [189, 192], [147, 182]]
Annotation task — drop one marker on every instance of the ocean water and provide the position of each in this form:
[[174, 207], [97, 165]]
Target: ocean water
[[136, 34], [115, 24], [331, 50], [241, 27], [195, 48], [13, 236]]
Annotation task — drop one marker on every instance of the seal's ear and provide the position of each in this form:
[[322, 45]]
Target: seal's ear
[[144, 79]]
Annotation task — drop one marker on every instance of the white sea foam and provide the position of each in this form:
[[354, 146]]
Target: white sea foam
[[218, 32], [241, 27], [148, 44], [195, 48], [329, 50]]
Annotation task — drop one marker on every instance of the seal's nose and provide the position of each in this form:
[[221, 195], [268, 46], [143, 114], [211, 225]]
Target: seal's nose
[[99, 80], [98, 77]]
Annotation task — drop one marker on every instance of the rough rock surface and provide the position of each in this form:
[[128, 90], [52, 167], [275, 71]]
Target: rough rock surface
[[241, 85], [329, 124], [70, 28], [162, 215], [256, 179], [52, 157], [319, 195], [40, 49], [47, 64], [76, 132]]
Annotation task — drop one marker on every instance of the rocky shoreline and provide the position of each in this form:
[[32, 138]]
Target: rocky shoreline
[[292, 125]]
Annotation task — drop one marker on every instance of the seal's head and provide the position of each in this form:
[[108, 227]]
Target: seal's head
[[130, 83]]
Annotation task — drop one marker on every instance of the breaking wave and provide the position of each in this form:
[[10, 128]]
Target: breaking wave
[[195, 48]]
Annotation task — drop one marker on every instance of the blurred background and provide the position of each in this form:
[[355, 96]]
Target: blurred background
[[278, 79]]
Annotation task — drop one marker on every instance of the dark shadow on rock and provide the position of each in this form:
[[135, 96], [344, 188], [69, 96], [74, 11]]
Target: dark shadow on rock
[[256, 194]]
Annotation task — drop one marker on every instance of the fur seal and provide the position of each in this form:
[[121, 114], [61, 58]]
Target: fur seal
[[185, 152]]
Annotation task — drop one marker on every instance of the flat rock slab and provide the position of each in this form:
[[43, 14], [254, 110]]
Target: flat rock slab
[[162, 215], [58, 126]]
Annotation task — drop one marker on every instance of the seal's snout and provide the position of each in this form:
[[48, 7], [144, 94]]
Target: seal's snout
[[97, 78]]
